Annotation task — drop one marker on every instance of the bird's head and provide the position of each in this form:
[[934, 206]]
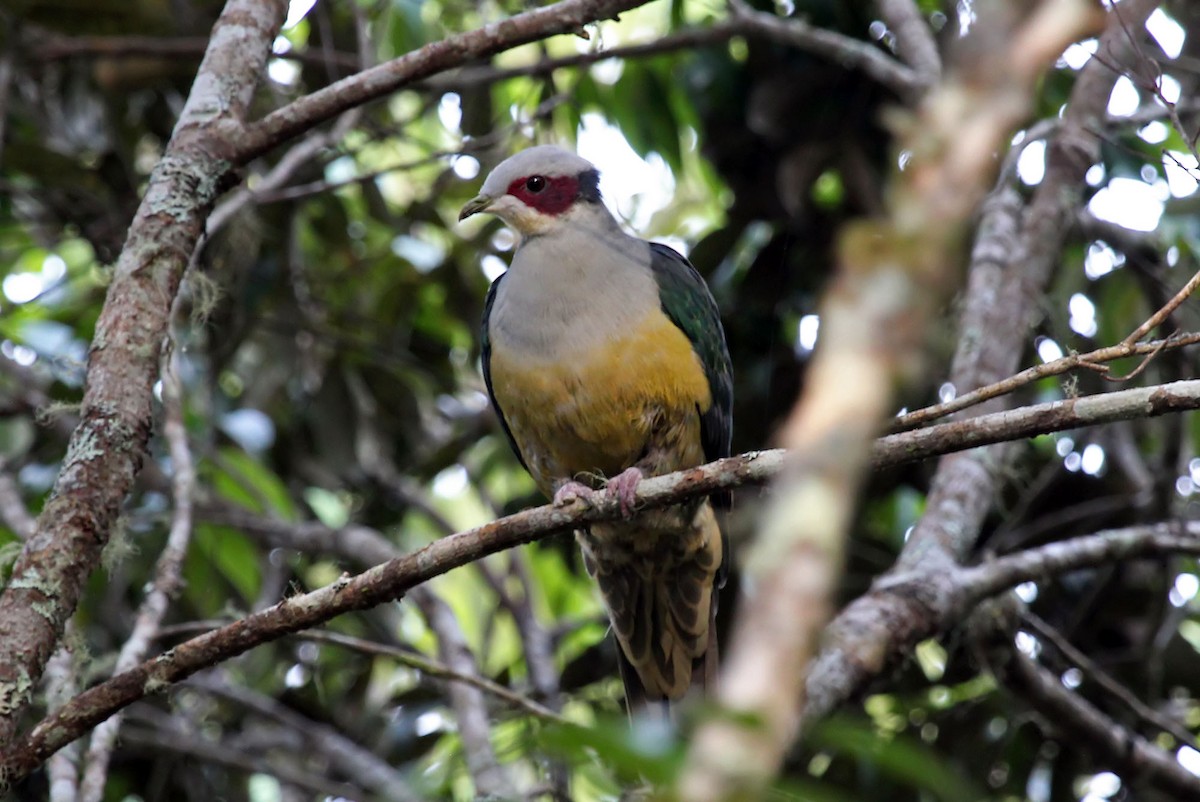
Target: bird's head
[[537, 189]]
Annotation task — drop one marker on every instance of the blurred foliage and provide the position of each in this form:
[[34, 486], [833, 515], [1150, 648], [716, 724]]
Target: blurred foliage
[[331, 370]]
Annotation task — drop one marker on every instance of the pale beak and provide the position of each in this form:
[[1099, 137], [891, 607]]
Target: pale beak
[[479, 203]]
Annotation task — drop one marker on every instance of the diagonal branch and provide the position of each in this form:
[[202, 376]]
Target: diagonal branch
[[1071, 715], [109, 444], [1092, 360], [392, 579], [914, 39], [168, 572], [209, 141], [1110, 684], [282, 124]]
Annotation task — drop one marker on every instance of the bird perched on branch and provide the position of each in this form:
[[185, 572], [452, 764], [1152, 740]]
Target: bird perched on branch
[[605, 359]]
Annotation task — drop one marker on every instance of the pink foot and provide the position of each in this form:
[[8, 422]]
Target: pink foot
[[624, 486], [569, 491]]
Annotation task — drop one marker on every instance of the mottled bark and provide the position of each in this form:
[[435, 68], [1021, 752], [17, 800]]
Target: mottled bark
[[108, 446]]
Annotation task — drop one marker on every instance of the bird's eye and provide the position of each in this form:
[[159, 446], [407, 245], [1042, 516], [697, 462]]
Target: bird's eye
[[535, 183]]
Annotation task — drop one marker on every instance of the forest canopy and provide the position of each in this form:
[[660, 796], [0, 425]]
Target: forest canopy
[[263, 538]]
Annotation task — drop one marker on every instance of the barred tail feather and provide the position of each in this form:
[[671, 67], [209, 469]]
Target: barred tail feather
[[663, 611]]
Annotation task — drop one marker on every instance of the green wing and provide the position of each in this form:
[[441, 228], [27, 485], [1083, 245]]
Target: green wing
[[686, 300]]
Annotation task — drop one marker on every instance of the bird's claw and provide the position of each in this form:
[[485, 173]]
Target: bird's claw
[[570, 491], [623, 487]]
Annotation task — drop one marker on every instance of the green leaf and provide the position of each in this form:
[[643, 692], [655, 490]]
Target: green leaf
[[239, 477], [646, 751], [899, 756]]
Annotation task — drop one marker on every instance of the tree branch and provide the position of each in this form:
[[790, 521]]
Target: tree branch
[[1106, 681], [109, 444], [530, 26], [914, 39], [1012, 261], [1071, 715], [1092, 360], [849, 52], [433, 668], [892, 273], [349, 758], [393, 578], [167, 575]]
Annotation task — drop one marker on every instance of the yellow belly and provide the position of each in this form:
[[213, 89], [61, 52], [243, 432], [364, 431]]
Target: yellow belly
[[598, 413]]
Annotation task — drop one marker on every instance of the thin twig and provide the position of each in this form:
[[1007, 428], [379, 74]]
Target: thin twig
[[164, 738], [1091, 360], [62, 683], [1070, 715], [349, 758], [1106, 680], [44, 46], [1170, 306], [434, 668], [914, 38]]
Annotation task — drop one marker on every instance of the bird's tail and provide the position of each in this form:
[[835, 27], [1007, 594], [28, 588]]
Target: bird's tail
[[703, 675], [663, 611]]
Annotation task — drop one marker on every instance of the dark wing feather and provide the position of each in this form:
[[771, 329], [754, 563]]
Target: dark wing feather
[[485, 342], [686, 300]]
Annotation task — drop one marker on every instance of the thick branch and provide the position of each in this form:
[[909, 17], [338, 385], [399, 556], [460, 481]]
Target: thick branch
[[109, 444], [167, 576], [977, 582], [391, 579], [374, 83]]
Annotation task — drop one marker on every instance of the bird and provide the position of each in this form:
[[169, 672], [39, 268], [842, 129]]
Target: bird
[[606, 362]]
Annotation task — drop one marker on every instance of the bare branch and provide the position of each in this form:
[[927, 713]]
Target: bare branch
[[47, 46], [1155, 320], [1106, 681], [491, 780], [849, 52], [390, 580], [164, 737], [348, 757], [1068, 713], [1056, 367], [283, 124], [433, 668], [62, 683], [977, 582]]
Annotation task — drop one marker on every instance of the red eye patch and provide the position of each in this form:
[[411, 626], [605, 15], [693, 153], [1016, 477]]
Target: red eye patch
[[558, 194]]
